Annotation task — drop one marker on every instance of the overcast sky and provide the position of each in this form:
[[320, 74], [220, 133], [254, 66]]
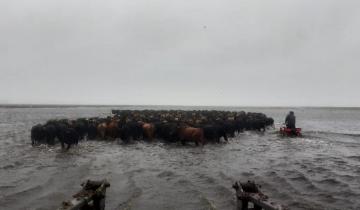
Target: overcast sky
[[200, 52]]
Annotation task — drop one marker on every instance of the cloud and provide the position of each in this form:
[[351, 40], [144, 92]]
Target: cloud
[[174, 52]]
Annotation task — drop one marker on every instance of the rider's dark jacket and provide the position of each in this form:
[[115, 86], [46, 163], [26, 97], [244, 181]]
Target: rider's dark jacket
[[290, 121]]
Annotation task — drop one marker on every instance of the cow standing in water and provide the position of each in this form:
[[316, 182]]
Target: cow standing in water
[[167, 131], [213, 133], [112, 129], [101, 130], [130, 130], [37, 134], [191, 134], [148, 130], [68, 136]]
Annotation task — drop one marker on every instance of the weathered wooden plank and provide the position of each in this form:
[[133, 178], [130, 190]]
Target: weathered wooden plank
[[249, 193], [92, 196]]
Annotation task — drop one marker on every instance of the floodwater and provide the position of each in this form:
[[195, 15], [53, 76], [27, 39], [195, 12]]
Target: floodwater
[[318, 171]]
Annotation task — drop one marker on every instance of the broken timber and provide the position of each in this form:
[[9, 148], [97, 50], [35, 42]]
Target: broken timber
[[249, 192], [91, 197]]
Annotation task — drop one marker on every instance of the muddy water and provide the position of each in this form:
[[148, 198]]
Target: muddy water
[[319, 171]]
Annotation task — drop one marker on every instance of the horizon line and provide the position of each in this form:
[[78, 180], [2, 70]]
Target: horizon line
[[44, 105]]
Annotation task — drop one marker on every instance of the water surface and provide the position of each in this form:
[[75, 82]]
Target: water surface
[[319, 171]]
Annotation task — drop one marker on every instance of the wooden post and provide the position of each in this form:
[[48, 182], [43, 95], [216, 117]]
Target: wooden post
[[249, 193], [92, 196]]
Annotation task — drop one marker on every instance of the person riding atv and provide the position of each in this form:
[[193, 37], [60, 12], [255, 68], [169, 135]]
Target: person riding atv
[[290, 122]]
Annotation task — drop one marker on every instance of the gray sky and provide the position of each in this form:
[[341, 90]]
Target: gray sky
[[201, 52]]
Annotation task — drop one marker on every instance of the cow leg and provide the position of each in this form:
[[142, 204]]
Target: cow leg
[[62, 145], [217, 139], [226, 139], [68, 147], [51, 141]]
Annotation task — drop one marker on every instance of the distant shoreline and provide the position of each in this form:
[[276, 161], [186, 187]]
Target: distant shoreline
[[131, 105]]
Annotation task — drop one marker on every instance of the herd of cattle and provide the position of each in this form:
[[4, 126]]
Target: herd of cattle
[[198, 127]]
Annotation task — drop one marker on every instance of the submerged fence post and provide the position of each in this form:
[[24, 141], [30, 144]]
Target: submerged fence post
[[249, 192], [92, 196]]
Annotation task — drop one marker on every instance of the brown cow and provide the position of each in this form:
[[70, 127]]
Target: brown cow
[[101, 130], [112, 129], [148, 130], [191, 134]]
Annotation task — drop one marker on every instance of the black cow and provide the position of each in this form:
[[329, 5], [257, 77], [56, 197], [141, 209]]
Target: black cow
[[92, 130], [229, 127], [37, 134], [68, 136], [43, 134], [213, 133], [166, 131], [50, 130], [131, 130], [81, 126]]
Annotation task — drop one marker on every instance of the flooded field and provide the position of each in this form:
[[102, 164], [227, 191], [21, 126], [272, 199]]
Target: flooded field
[[318, 171]]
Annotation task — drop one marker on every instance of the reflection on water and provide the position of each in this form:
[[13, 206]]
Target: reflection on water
[[319, 171]]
